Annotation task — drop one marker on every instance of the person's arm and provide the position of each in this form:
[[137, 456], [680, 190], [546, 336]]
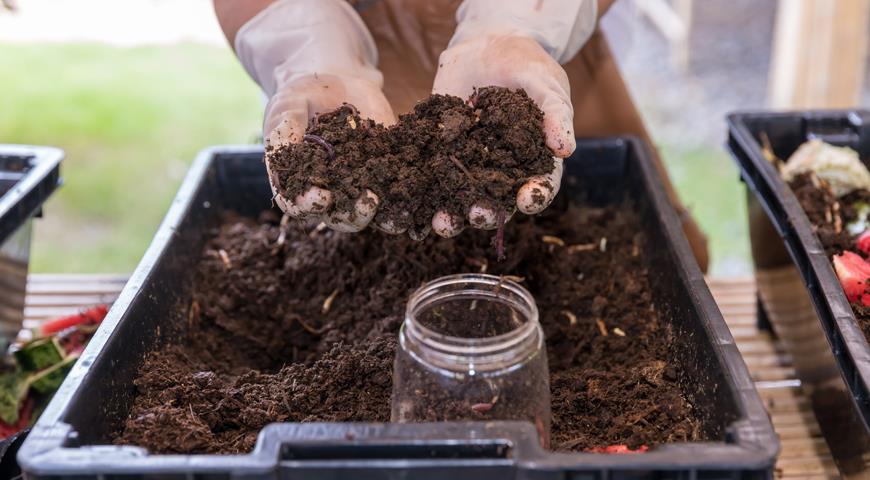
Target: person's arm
[[308, 56], [519, 44], [604, 6], [232, 14]]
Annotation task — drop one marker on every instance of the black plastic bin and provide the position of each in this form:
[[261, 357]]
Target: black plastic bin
[[65, 442], [28, 176], [845, 423]]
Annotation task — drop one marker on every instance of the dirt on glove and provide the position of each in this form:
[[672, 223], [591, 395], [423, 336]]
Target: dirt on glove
[[298, 323], [447, 154]]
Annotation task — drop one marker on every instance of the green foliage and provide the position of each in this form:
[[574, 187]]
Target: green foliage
[[709, 184], [130, 120], [13, 390], [39, 354], [49, 380]]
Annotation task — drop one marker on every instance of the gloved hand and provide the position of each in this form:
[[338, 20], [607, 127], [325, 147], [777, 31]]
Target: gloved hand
[[309, 57], [518, 44]]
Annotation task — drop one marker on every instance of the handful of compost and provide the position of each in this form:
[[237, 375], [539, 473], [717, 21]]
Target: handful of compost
[[309, 56], [448, 162]]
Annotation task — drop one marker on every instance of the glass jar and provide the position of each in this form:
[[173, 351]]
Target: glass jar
[[471, 348]]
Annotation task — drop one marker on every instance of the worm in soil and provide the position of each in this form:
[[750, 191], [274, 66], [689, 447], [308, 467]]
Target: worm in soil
[[311, 138], [499, 236]]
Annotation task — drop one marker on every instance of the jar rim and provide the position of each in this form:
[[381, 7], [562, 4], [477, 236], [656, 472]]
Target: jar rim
[[481, 351]]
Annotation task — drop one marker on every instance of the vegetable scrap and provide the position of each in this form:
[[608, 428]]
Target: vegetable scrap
[[618, 449], [36, 369], [832, 185], [853, 272], [840, 167]]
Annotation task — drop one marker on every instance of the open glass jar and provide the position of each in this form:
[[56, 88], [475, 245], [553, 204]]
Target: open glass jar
[[471, 348]]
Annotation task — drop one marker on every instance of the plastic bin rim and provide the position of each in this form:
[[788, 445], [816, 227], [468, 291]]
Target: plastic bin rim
[[44, 160]]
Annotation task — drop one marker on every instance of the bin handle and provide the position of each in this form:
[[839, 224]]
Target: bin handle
[[314, 442]]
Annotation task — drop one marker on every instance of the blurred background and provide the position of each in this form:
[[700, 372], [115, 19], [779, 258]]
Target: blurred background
[[132, 89]]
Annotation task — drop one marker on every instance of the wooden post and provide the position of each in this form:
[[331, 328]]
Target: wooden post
[[819, 53], [674, 22], [680, 49]]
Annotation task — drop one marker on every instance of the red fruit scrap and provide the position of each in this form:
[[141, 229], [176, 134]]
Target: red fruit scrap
[[73, 340], [91, 316], [618, 449], [854, 273], [863, 242]]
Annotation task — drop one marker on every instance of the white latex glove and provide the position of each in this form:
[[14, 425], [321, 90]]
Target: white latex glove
[[518, 44], [309, 57]]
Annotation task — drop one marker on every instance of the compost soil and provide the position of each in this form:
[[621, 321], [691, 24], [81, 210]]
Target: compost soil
[[829, 217], [447, 154], [297, 323]]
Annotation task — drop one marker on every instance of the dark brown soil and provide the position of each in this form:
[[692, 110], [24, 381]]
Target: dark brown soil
[[825, 212], [298, 325], [829, 217], [209, 410], [446, 155]]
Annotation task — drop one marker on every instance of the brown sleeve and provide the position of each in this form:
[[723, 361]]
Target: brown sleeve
[[603, 107]]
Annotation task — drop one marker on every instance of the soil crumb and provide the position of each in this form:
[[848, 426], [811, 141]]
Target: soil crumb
[[818, 201], [297, 323], [447, 154]]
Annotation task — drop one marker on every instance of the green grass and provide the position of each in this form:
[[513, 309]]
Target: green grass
[[709, 184], [130, 120]]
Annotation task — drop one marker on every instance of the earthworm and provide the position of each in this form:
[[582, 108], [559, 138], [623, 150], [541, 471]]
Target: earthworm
[[352, 108], [309, 137], [499, 235]]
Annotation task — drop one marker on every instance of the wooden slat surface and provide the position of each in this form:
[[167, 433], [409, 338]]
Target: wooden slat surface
[[55, 295], [804, 452]]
